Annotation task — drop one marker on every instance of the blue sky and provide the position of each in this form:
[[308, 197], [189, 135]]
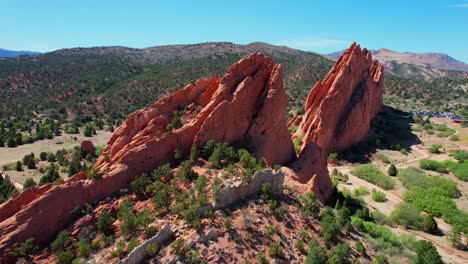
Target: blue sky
[[320, 26]]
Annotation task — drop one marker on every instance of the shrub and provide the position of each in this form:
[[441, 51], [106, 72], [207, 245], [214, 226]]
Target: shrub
[[383, 158], [340, 254], [161, 195], [300, 246], [84, 250], [411, 217], [332, 156], [51, 176], [267, 192], [379, 197], [29, 183], [361, 191], [105, 221], [373, 175], [459, 154], [360, 248], [194, 154], [309, 204], [404, 151], [436, 202], [428, 164], [454, 138], [392, 170], [132, 245], [262, 258], [43, 156], [150, 231], [376, 231], [140, 184], [65, 257], [186, 171], [435, 149], [19, 166], [144, 218], [179, 246], [329, 227], [24, 249], [275, 250], [459, 169], [152, 249], [61, 242], [338, 177], [127, 217], [426, 253], [227, 223], [317, 254]]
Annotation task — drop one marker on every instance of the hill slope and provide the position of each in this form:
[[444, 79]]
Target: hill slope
[[114, 81], [118, 80], [13, 53]]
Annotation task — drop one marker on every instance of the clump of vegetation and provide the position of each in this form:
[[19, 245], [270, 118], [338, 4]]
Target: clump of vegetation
[[361, 191], [411, 217], [29, 182], [383, 158], [275, 250], [433, 165], [411, 178], [435, 149], [392, 170], [7, 189], [152, 249], [436, 201], [316, 254], [51, 176], [24, 249], [426, 253], [373, 175], [379, 197], [338, 177]]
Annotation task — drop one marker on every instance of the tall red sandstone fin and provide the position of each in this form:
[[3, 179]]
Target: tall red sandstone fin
[[338, 113], [248, 101]]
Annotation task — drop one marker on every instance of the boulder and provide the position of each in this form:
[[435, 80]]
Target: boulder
[[88, 146]]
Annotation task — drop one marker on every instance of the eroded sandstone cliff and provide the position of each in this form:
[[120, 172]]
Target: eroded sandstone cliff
[[338, 114], [247, 102]]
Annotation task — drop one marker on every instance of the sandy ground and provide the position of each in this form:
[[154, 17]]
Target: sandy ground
[[65, 141]]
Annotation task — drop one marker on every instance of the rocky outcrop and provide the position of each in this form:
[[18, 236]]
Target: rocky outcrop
[[338, 113], [247, 102], [234, 192], [139, 253], [338, 110], [20, 200], [88, 146]]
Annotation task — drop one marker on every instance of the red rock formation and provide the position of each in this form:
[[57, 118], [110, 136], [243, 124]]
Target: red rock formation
[[248, 101], [89, 147], [338, 112]]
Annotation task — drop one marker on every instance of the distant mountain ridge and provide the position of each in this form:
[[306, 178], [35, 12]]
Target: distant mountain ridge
[[4, 53], [114, 81], [417, 65]]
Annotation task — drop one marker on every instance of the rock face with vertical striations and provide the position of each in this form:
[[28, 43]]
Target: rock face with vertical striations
[[338, 113], [247, 102]]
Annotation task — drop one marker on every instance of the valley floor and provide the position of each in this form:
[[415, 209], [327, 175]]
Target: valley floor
[[418, 152]]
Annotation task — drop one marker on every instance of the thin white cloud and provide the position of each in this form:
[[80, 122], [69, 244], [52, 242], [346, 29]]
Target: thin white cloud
[[465, 5], [311, 43]]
